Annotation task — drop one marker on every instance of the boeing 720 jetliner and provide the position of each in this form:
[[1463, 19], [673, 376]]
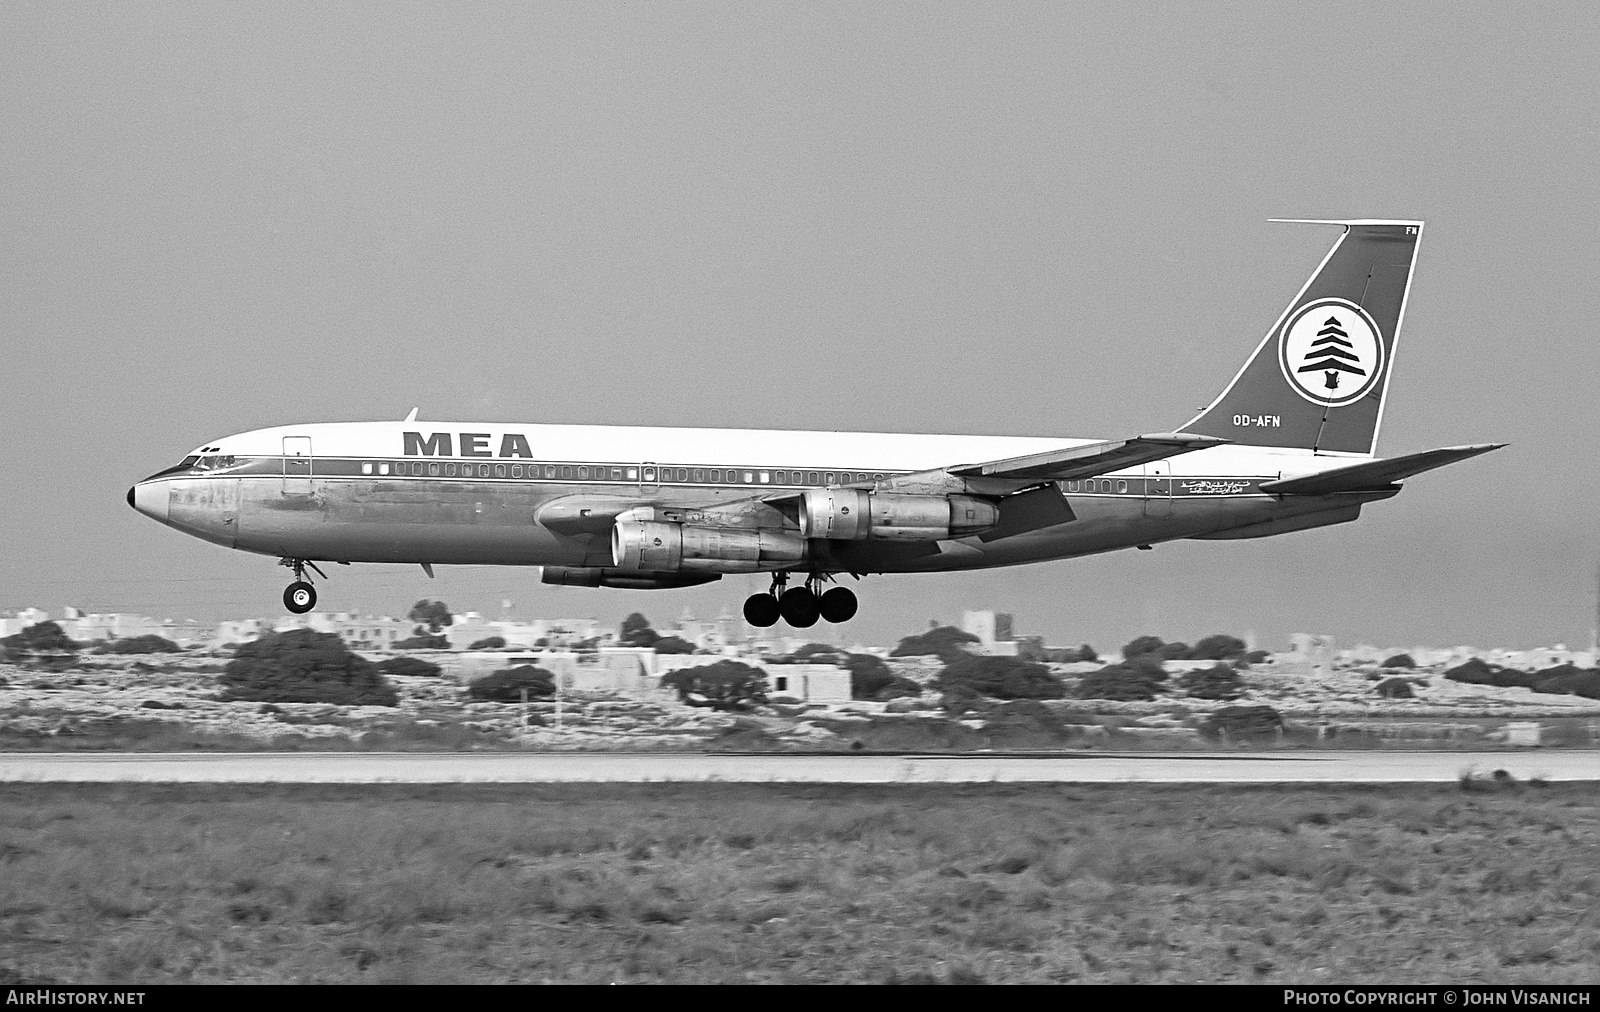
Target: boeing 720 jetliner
[[1287, 446]]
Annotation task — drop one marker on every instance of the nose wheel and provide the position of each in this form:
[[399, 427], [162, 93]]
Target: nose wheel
[[300, 596], [801, 606]]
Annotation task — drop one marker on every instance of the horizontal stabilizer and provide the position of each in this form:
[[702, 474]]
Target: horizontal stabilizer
[[1374, 473], [1092, 459]]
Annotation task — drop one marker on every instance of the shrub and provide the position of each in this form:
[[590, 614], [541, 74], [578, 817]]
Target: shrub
[[1399, 661], [1242, 722], [1473, 672], [1001, 678], [1141, 646], [819, 653], [43, 637], [1140, 678], [423, 642], [1218, 682], [413, 666], [942, 641], [1218, 647], [1258, 656], [1568, 680], [869, 675], [725, 685], [674, 645], [1174, 652], [506, 685], [302, 666], [1394, 688], [489, 643], [139, 645]]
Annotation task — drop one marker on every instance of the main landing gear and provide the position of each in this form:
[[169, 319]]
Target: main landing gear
[[799, 606], [300, 597]]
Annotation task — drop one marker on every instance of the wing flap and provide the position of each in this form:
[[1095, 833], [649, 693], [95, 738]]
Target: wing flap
[[1375, 473], [1092, 459]]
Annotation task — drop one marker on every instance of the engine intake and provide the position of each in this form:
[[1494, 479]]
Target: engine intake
[[649, 546], [846, 514]]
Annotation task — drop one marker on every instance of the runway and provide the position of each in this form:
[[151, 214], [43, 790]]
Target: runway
[[1374, 767]]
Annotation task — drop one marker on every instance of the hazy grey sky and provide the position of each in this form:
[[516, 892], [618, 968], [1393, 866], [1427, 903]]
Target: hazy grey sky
[[1040, 219]]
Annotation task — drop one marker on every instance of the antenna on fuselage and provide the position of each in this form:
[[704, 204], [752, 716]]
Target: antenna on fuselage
[[411, 417]]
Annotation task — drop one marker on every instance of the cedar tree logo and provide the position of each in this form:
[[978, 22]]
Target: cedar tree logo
[[1331, 352]]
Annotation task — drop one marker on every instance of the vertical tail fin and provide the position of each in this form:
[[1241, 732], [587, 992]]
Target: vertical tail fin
[[1319, 378]]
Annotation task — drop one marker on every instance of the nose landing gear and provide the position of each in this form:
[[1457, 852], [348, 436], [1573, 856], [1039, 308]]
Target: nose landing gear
[[799, 606], [300, 597]]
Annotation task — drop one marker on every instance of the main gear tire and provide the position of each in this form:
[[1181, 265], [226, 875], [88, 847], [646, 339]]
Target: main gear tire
[[838, 605], [300, 597], [761, 610], [799, 607]]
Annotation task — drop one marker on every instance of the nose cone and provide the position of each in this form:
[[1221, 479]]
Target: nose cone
[[150, 498]]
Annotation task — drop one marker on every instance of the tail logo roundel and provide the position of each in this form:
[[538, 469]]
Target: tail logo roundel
[[1331, 352]]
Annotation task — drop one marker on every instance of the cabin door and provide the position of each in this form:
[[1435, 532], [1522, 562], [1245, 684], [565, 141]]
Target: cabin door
[[1158, 489], [296, 465]]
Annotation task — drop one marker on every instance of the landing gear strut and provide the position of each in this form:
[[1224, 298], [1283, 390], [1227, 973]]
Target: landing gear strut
[[799, 606], [300, 597]]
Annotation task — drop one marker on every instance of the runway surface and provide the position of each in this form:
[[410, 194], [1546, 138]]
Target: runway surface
[[702, 767]]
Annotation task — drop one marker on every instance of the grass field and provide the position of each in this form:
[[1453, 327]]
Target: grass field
[[688, 883]]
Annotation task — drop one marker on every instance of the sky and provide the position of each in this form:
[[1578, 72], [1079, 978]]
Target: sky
[[1022, 218]]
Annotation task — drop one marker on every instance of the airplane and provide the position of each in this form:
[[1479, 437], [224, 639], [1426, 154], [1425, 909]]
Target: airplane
[[1286, 446]]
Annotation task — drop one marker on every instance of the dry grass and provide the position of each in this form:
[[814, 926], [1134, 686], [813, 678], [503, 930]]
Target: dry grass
[[734, 883]]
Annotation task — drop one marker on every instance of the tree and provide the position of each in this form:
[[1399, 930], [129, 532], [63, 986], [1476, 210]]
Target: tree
[[42, 638], [725, 685], [1174, 651], [942, 641], [506, 685], [818, 653], [1399, 661], [489, 643], [301, 666], [1394, 688], [636, 632], [1000, 678], [1139, 678], [673, 645], [434, 615]]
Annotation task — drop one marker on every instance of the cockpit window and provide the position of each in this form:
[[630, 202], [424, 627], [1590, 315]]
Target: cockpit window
[[188, 462], [212, 463]]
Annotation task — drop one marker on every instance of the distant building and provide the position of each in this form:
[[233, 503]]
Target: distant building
[[994, 632]]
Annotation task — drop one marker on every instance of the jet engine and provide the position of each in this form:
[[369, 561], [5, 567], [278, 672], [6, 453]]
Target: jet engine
[[649, 546], [846, 514], [594, 576]]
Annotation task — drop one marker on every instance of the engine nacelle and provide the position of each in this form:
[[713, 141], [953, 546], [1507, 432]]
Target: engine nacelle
[[649, 546], [595, 576], [847, 514]]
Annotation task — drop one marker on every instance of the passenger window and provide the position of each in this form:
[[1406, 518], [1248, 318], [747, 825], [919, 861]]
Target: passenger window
[[782, 477], [649, 473], [827, 479], [811, 477], [516, 470], [549, 472], [1122, 486], [483, 470], [449, 470], [699, 474], [749, 476], [616, 474], [366, 467], [716, 474], [877, 477], [433, 470], [1072, 486], [766, 476], [383, 468], [683, 474], [1105, 485], [566, 472], [633, 474], [499, 470], [400, 467]]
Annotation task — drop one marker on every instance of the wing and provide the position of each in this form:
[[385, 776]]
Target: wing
[[1092, 459], [1374, 473]]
